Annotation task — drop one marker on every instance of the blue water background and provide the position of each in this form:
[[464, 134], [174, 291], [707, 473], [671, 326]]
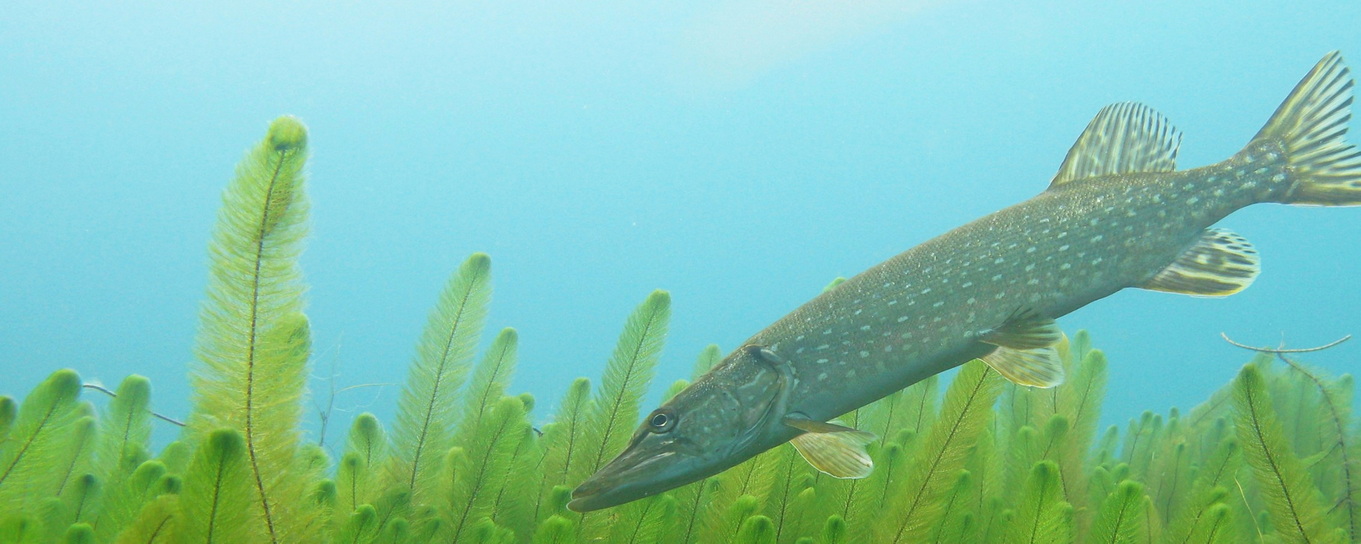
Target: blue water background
[[739, 154]]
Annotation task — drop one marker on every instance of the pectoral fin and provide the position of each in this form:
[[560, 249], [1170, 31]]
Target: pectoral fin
[[1219, 264], [835, 449]]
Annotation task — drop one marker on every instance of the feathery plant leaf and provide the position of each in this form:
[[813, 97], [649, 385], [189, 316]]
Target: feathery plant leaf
[[963, 416], [79, 533], [859, 500], [756, 530], [218, 495], [253, 341], [124, 431], [8, 410], [1332, 406], [645, 521], [1218, 526], [956, 501], [426, 411], [728, 518], [792, 475], [615, 410], [124, 501], [81, 501], [359, 477], [752, 478], [489, 382], [555, 530], [1121, 518], [324, 498], [352, 478], [176, 456], [675, 389], [157, 523], [834, 530], [1151, 519], [1042, 516], [1290, 496], [1171, 476], [1194, 522], [726, 504], [1107, 450], [488, 456], [40, 437], [955, 523], [395, 503], [911, 408], [1215, 474], [708, 358], [515, 497], [563, 441], [1145, 436], [1079, 401], [361, 526], [75, 461], [367, 440], [985, 468], [693, 506], [20, 529]]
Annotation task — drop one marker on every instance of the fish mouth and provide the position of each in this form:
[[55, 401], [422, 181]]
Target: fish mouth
[[589, 502], [622, 481]]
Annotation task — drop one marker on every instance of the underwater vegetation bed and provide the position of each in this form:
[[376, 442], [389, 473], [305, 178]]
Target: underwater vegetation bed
[[1271, 457]]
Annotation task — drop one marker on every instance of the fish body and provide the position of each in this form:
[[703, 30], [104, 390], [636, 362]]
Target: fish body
[[1052, 254], [1117, 215]]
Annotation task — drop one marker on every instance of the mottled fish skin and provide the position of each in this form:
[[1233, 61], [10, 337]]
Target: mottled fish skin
[[1118, 215], [1054, 253]]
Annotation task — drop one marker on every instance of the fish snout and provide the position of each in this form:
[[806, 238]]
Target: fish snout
[[587, 496], [635, 474]]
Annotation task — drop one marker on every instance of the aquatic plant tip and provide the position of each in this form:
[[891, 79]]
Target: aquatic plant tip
[[287, 133]]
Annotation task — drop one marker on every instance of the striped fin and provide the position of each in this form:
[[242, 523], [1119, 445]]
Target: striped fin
[[835, 449], [1024, 329], [1039, 367], [1219, 264], [1123, 138], [1311, 125]]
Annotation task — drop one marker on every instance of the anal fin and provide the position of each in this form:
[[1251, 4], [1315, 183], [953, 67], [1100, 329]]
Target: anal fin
[[1039, 367], [835, 449], [1218, 264]]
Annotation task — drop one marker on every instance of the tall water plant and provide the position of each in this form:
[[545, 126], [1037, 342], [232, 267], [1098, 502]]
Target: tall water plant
[[1271, 457]]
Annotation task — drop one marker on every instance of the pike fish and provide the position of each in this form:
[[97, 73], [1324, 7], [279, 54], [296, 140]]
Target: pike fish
[[1118, 214]]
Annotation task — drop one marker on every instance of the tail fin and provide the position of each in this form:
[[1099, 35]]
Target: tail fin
[[1310, 126]]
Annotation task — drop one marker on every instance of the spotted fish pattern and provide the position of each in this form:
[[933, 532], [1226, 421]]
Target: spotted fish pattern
[[1117, 215], [1053, 254]]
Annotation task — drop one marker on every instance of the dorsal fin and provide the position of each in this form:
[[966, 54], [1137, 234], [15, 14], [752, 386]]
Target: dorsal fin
[[1123, 138]]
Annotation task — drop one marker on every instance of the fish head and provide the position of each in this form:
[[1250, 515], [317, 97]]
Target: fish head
[[724, 418]]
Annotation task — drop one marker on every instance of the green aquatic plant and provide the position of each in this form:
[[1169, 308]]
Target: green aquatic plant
[[1271, 457], [254, 341]]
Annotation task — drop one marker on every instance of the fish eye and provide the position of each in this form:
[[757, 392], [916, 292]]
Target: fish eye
[[662, 420]]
